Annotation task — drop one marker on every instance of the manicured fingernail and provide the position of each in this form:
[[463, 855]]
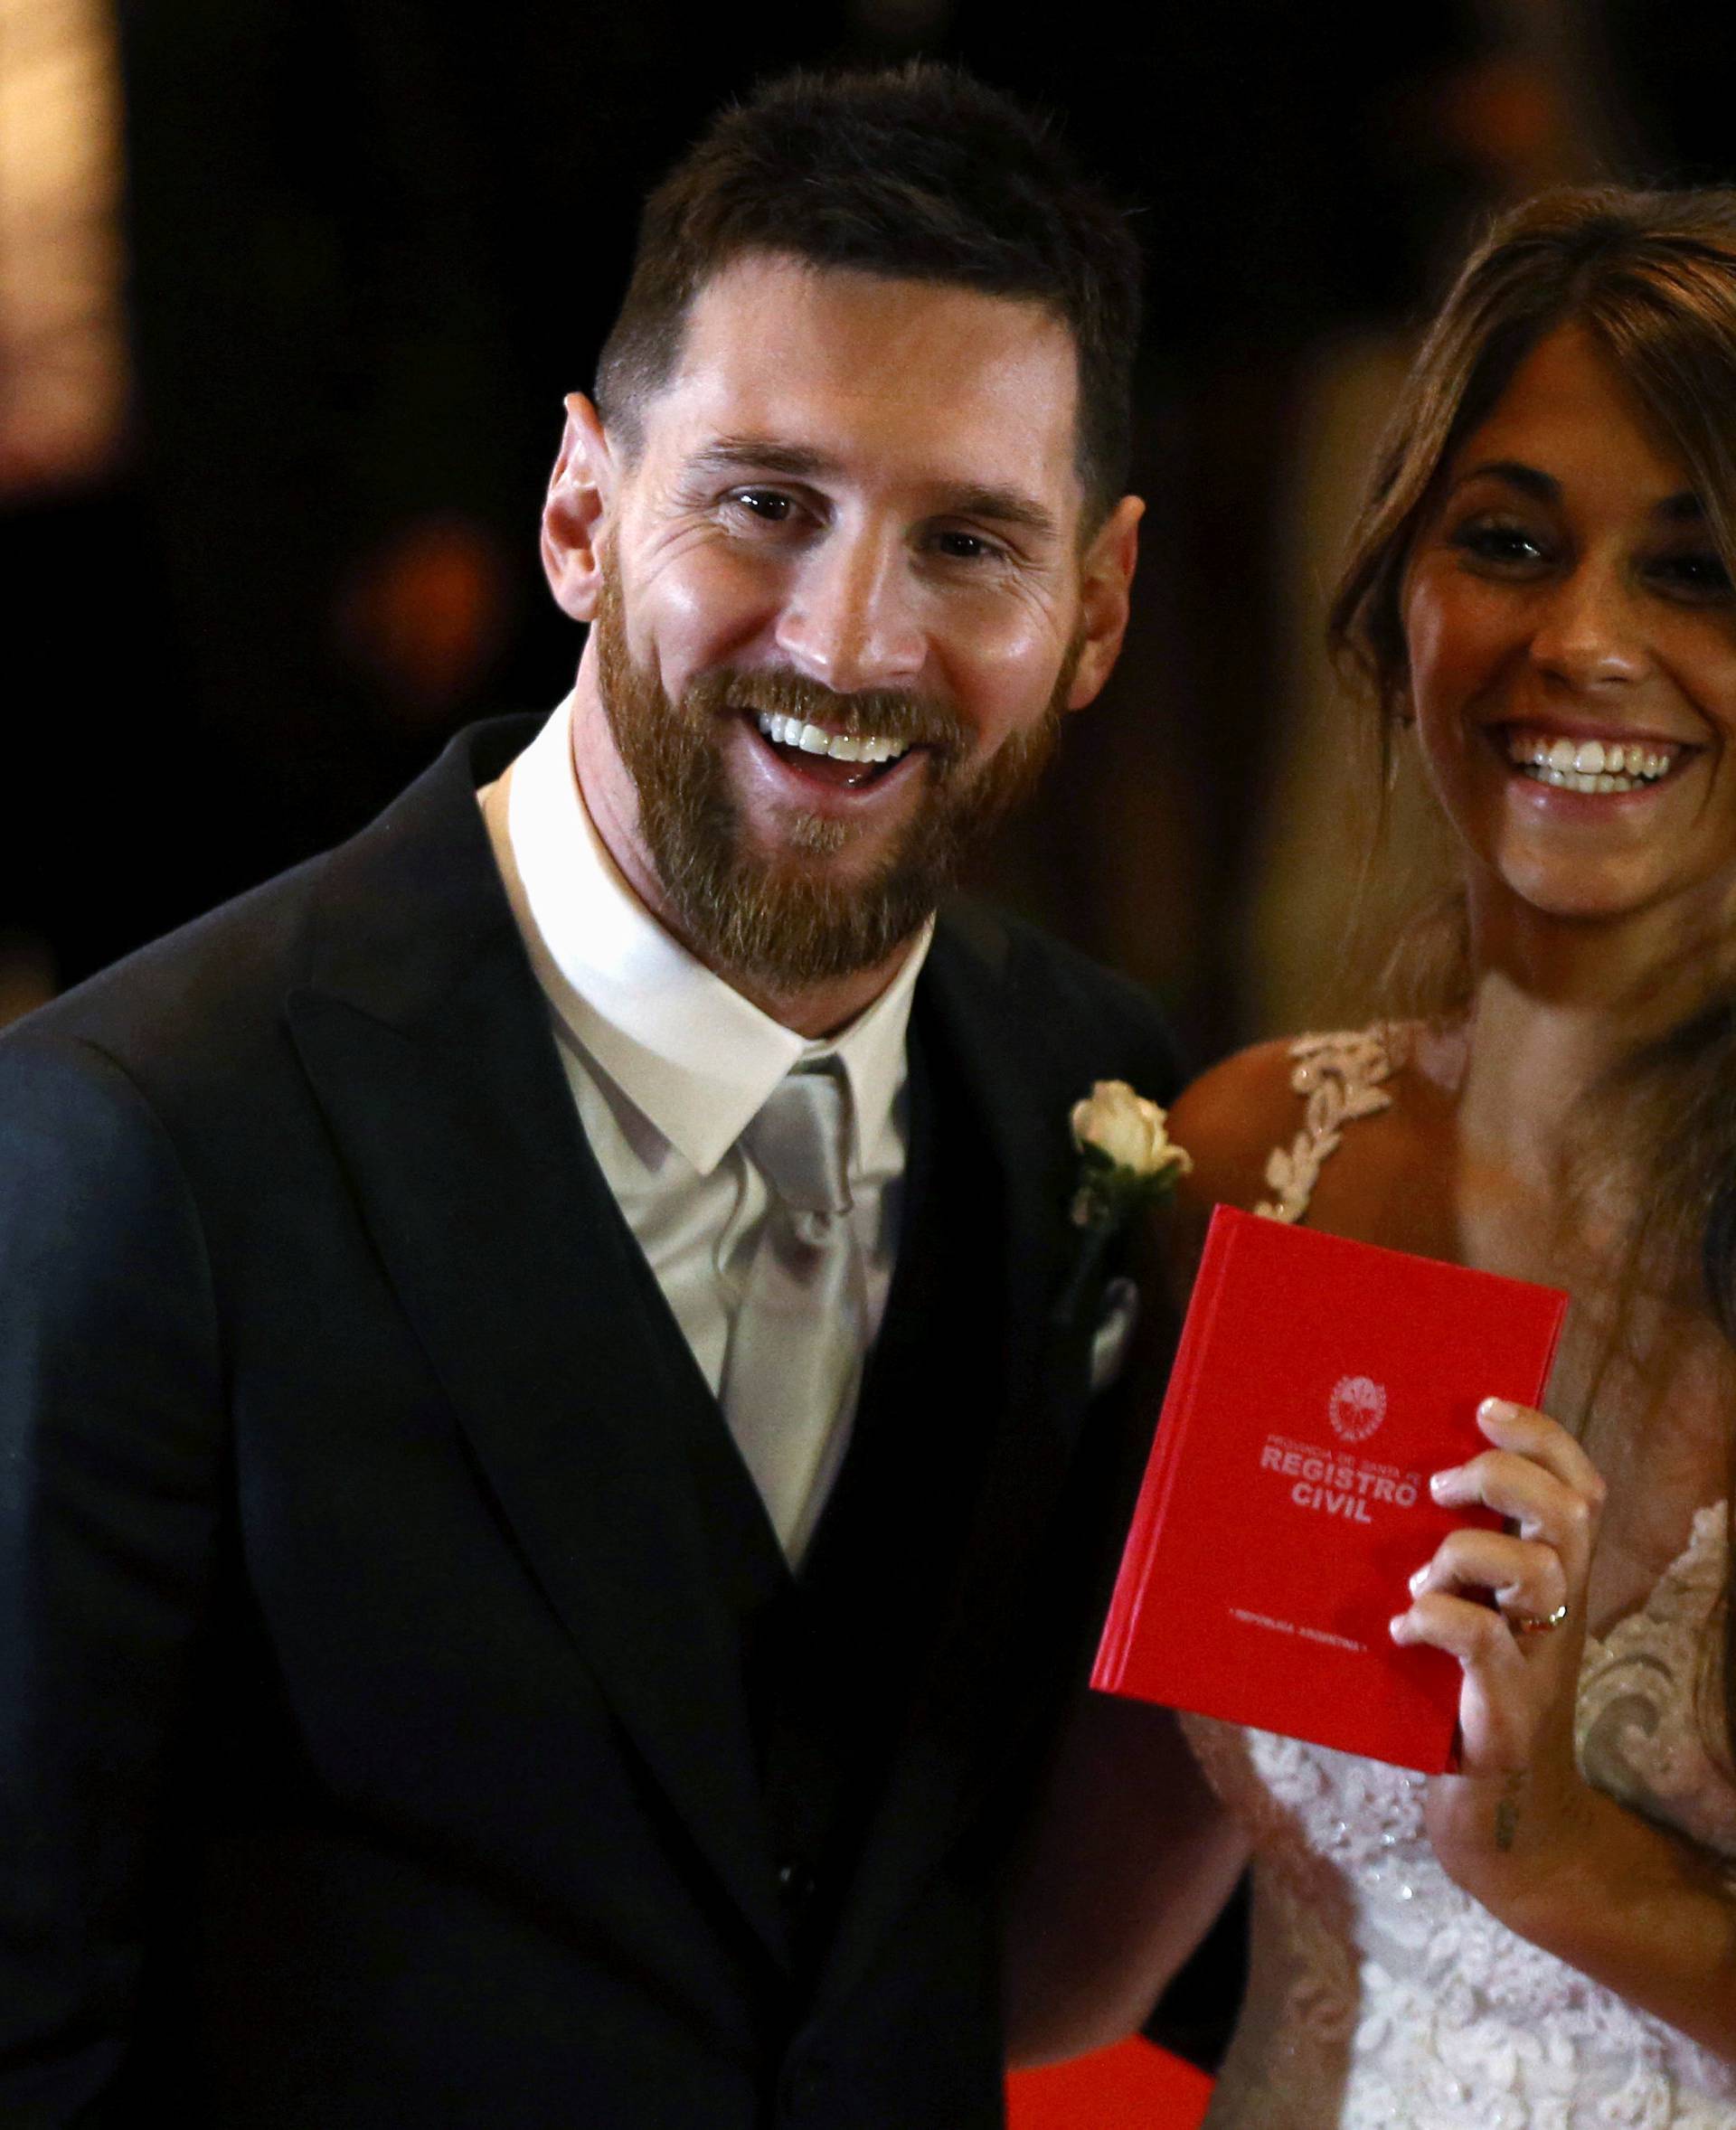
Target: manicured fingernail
[[1419, 1579], [1496, 1409], [1395, 1626], [1440, 1484]]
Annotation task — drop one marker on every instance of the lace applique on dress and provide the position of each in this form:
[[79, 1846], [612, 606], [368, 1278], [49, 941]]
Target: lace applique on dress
[[1380, 1993], [1650, 1713], [1340, 1078]]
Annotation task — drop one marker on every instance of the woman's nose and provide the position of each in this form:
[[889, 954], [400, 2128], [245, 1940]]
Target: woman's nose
[[1589, 634]]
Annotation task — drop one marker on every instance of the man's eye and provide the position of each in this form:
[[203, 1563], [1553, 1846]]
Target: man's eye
[[966, 547], [764, 504]]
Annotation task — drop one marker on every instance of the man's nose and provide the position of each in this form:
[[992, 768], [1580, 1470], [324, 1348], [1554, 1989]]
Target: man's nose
[[853, 619], [1591, 633]]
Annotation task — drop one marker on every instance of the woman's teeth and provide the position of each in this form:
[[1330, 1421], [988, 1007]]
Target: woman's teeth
[[815, 740], [1589, 765]]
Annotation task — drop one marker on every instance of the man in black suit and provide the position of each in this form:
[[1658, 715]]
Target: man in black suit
[[519, 1608]]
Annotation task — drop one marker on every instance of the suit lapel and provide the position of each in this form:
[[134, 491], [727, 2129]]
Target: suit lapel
[[428, 1045]]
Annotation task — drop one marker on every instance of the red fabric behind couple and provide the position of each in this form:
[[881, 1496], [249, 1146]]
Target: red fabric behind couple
[[1134, 2087]]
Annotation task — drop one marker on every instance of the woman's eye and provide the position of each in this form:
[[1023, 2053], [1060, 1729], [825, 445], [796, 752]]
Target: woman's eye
[[1699, 575], [1499, 543]]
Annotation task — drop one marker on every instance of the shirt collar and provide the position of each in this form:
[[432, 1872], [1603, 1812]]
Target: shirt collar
[[687, 1049]]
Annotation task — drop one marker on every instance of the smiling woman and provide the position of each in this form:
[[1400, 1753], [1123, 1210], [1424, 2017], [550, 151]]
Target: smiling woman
[[1541, 597], [1571, 657]]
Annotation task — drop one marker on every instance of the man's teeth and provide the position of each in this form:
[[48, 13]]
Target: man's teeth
[[1589, 765], [815, 740]]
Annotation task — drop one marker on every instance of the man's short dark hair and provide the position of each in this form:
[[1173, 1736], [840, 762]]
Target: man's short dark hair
[[919, 173]]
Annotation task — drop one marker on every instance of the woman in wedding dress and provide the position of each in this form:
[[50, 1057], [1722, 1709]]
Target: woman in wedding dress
[[1541, 596]]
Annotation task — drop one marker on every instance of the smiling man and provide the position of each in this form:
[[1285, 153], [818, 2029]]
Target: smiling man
[[862, 529], [561, 1453]]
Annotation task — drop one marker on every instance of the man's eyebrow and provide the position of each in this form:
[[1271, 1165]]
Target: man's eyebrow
[[1003, 506], [801, 462], [798, 462]]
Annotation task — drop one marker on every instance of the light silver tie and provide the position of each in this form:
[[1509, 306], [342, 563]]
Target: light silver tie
[[796, 1348]]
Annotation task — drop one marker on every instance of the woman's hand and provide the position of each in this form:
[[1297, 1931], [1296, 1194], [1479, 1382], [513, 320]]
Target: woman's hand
[[1513, 1811]]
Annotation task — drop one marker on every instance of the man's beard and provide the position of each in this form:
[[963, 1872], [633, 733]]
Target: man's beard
[[779, 918]]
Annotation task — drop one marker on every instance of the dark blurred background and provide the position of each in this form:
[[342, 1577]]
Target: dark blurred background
[[290, 291]]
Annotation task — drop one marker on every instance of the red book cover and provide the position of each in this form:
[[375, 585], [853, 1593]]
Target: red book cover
[[1316, 1385]]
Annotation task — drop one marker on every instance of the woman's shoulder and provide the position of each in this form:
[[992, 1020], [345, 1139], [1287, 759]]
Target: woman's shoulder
[[1230, 1117], [1261, 1099], [1258, 1124]]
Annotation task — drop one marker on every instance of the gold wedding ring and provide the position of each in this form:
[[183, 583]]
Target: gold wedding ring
[[1526, 1622]]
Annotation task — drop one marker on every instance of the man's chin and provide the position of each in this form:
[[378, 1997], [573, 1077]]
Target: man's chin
[[849, 836], [791, 921], [814, 854]]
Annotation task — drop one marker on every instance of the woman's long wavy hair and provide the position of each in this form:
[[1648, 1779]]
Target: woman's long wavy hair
[[1650, 277]]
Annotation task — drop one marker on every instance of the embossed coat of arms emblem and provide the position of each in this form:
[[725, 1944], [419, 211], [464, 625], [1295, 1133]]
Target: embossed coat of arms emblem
[[1356, 1408]]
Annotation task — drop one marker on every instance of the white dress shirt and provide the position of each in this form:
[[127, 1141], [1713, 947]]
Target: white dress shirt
[[668, 1064]]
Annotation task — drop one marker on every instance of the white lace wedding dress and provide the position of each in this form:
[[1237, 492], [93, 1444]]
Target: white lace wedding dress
[[1380, 1992]]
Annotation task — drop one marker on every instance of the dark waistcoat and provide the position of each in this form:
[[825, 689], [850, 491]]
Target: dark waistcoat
[[830, 1656]]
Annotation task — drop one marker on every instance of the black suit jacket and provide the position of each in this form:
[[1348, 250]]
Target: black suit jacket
[[375, 1746]]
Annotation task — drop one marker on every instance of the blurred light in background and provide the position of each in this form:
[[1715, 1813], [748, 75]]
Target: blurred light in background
[[27, 976], [63, 366], [903, 22]]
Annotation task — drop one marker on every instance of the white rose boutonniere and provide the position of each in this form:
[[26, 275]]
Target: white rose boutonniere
[[1127, 1157]]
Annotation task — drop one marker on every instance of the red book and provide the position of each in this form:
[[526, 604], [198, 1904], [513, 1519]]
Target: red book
[[1318, 1384]]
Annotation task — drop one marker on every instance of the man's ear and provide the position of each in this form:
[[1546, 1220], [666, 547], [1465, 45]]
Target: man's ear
[[1106, 579], [575, 517]]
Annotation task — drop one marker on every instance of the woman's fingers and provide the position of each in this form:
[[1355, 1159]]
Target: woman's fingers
[[1539, 1479], [1515, 1702], [1498, 1711], [1536, 1475], [1528, 1433], [1536, 1503], [1472, 1632], [1525, 1578]]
